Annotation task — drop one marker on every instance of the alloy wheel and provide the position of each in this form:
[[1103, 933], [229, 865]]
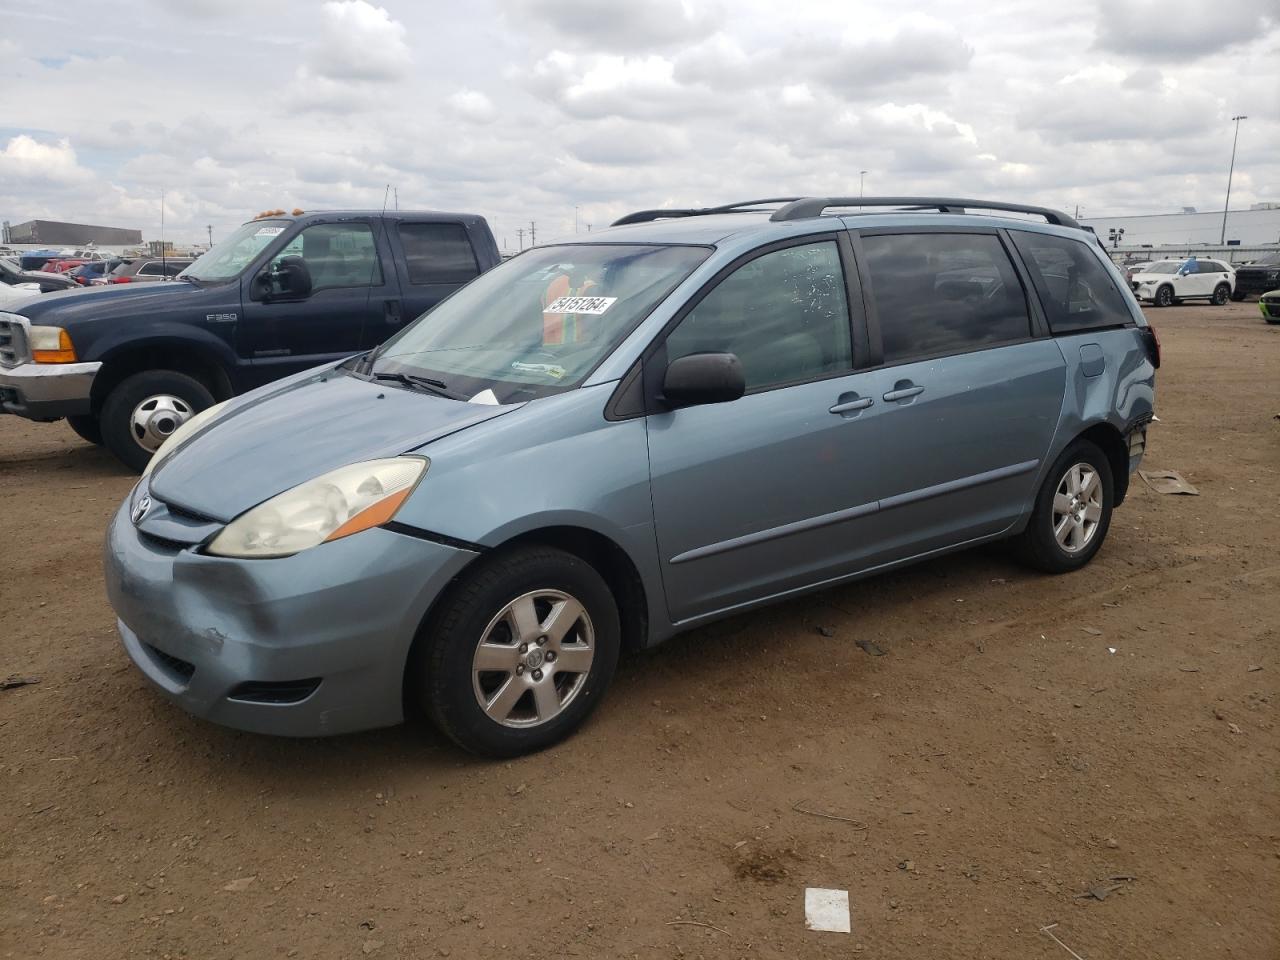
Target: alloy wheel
[[533, 658], [1077, 507]]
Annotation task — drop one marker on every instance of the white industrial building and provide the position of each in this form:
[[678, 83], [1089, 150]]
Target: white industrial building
[[1247, 228]]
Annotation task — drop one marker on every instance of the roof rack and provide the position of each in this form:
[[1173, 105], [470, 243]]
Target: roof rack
[[802, 208], [744, 206], [815, 206]]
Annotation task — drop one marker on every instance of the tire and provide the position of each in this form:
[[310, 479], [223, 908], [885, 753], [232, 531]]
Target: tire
[[1237, 296], [443, 670], [1038, 545], [1164, 297], [1221, 294], [132, 430], [87, 428]]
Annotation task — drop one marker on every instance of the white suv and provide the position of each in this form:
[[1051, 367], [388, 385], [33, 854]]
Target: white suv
[[1167, 282]]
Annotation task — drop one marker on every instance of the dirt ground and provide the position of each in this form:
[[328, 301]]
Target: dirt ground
[[1022, 740]]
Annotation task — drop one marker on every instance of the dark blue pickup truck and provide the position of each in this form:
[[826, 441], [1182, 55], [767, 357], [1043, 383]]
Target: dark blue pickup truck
[[127, 365]]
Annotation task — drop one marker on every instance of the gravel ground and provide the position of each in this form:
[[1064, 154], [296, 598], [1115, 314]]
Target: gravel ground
[[966, 787]]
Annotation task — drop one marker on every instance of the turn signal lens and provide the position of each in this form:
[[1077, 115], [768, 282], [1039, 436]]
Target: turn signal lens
[[51, 345], [332, 506]]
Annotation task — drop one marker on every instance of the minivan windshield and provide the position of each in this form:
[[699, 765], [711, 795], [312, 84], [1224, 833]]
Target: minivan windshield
[[233, 254], [539, 323]]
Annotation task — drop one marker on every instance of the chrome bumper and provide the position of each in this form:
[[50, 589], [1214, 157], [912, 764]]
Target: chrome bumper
[[47, 391]]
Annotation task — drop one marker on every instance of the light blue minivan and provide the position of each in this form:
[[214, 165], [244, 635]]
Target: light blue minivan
[[601, 443]]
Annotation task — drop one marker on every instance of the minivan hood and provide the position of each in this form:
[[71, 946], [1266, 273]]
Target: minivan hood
[[273, 439]]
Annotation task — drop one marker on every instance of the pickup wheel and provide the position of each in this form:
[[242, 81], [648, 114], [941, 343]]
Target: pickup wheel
[[86, 428], [1072, 511], [143, 411], [1237, 295]]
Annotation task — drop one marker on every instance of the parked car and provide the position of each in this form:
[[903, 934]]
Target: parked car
[[126, 365], [63, 264], [1269, 306], [11, 274], [1135, 267], [147, 269], [1257, 277], [1169, 282], [600, 444], [98, 270]]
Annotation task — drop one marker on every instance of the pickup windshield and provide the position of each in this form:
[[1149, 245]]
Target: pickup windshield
[[539, 323], [233, 254]]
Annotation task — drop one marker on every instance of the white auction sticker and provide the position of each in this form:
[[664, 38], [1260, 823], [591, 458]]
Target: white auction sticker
[[269, 231], [593, 306]]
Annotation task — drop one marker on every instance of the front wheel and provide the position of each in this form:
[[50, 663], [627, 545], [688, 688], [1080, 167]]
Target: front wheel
[[1072, 511], [1237, 295], [1164, 297], [521, 650], [1221, 294], [144, 410]]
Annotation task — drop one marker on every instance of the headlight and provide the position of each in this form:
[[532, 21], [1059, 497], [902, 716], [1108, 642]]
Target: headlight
[[336, 505], [51, 345], [176, 438]]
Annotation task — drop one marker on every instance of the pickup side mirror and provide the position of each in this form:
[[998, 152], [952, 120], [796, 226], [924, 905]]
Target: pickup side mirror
[[703, 378], [288, 279]]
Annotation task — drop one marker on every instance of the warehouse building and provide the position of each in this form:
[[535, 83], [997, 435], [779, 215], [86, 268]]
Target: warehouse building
[[57, 234], [1246, 228]]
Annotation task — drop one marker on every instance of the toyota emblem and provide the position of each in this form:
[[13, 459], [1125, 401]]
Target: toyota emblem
[[140, 509]]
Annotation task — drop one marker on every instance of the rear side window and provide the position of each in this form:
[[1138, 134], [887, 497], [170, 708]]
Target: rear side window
[[938, 293], [151, 270], [784, 315], [438, 253], [1077, 291]]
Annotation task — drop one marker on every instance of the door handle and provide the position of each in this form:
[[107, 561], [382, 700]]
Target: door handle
[[904, 390], [391, 311], [849, 405]]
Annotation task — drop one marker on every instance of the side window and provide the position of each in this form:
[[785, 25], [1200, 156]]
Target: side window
[[174, 267], [336, 254], [438, 253], [151, 269], [1078, 293], [941, 293], [784, 315]]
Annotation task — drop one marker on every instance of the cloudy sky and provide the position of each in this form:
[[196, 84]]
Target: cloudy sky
[[523, 109]]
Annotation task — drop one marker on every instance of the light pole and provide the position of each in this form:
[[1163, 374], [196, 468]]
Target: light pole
[[575, 218], [209, 227], [862, 179], [1230, 170]]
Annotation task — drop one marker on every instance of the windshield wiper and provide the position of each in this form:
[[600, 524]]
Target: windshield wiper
[[422, 383]]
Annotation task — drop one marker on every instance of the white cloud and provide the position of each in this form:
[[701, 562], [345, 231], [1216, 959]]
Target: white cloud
[[359, 41], [27, 160], [472, 105]]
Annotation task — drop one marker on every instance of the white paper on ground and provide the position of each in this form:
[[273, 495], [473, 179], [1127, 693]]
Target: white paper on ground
[[826, 909]]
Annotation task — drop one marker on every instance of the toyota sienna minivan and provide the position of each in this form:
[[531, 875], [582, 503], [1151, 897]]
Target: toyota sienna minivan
[[604, 442]]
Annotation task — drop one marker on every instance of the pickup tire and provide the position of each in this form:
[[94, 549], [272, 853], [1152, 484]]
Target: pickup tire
[[144, 409], [86, 427]]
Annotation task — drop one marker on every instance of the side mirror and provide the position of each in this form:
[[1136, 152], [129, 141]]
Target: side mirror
[[292, 277], [703, 378]]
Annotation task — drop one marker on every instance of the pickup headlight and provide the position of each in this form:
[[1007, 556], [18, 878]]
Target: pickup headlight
[[335, 505], [51, 345], [175, 439]]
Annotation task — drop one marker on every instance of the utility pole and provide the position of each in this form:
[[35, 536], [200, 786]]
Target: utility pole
[[209, 227], [533, 234], [575, 218], [520, 236], [1230, 170], [862, 179]]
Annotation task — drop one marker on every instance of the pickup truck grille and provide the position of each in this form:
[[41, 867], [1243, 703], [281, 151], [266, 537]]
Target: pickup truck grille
[[13, 343]]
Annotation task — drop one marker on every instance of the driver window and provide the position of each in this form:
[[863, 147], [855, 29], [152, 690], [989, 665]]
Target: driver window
[[784, 315], [336, 255]]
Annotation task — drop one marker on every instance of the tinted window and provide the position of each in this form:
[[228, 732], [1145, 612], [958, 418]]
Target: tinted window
[[1077, 291], [944, 293], [174, 267], [151, 270], [784, 314], [438, 253], [337, 255]]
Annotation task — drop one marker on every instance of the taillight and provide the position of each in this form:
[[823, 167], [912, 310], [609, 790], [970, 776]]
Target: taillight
[[121, 280], [1151, 340]]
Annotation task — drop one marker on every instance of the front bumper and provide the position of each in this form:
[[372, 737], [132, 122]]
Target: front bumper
[[308, 645], [1269, 306], [47, 391]]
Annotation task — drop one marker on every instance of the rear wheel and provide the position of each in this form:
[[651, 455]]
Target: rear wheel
[[86, 428], [1237, 295], [1164, 297], [520, 652], [1072, 511], [145, 409], [1221, 294]]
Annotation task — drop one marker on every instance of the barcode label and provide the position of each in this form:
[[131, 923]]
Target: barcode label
[[588, 305]]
